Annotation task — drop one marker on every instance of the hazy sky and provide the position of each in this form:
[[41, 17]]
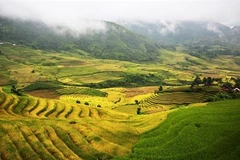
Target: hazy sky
[[70, 11]]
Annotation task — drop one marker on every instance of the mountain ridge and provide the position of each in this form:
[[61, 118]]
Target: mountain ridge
[[116, 42], [186, 31]]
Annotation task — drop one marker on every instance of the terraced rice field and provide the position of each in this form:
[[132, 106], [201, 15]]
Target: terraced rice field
[[209, 132], [174, 98], [92, 101], [37, 128], [42, 108]]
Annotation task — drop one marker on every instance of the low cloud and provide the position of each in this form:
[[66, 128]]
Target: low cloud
[[61, 18], [82, 14], [212, 27], [79, 27], [166, 27]]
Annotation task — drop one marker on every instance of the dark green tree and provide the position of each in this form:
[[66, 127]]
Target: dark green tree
[[160, 88], [196, 81], [209, 81], [204, 81], [16, 91], [136, 101], [237, 82], [139, 110]]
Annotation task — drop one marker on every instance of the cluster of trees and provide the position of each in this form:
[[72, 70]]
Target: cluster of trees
[[224, 96], [210, 52], [16, 91], [228, 85], [129, 80], [208, 81], [232, 83]]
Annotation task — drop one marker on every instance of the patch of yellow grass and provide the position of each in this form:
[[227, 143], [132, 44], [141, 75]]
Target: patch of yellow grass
[[143, 123], [92, 100], [197, 105]]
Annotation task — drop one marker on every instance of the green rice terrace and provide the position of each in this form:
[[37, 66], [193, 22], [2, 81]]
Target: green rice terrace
[[208, 132]]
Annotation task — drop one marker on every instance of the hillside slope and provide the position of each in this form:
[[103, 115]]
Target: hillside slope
[[209, 132], [116, 42], [37, 128]]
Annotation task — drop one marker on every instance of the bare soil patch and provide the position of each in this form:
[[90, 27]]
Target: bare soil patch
[[131, 92], [3, 81], [50, 94], [72, 63]]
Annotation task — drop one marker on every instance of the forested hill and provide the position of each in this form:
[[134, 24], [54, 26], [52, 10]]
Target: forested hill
[[187, 32], [116, 42]]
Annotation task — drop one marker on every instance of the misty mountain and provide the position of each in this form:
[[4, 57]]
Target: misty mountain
[[187, 32], [114, 42]]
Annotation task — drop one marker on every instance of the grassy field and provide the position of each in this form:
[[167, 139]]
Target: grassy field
[[209, 132], [24, 66]]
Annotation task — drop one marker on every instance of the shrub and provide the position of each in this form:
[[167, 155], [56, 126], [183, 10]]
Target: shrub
[[72, 122], [48, 64], [219, 97], [160, 88], [16, 91], [197, 125], [136, 101], [138, 110]]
